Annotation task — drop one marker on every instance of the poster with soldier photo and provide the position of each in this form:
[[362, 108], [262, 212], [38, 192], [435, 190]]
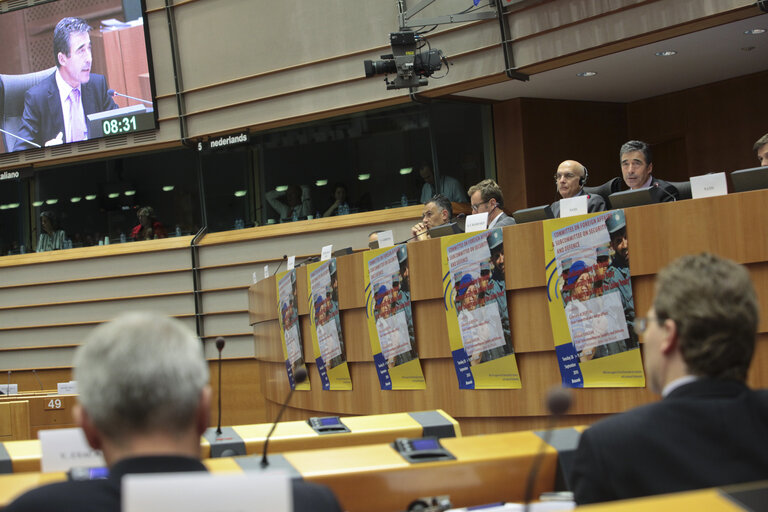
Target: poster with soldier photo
[[390, 320], [475, 301], [325, 321], [290, 332], [591, 307]]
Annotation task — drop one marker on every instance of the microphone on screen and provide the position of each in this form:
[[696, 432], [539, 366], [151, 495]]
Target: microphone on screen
[[299, 377]]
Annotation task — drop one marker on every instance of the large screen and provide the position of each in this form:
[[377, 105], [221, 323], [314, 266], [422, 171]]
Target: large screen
[[74, 70]]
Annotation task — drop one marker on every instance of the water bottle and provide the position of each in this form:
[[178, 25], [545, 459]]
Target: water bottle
[[294, 215], [404, 200], [178, 230], [122, 238]]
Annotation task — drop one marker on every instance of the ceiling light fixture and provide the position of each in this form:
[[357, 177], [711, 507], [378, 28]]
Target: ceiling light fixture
[[321, 183], [405, 171], [666, 53], [281, 188], [37, 204], [75, 199], [90, 197], [130, 192], [755, 31], [240, 193], [51, 201], [168, 188], [363, 177]]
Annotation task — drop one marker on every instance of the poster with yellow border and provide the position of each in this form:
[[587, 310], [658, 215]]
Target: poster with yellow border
[[290, 333], [390, 320], [591, 307], [475, 300], [325, 325]]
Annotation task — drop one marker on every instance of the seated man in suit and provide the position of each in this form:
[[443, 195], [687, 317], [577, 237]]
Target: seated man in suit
[[55, 110], [709, 429], [487, 196], [636, 168], [570, 178], [437, 211], [144, 401], [761, 148]]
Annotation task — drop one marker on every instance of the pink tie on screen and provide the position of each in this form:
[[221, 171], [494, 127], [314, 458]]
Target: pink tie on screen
[[77, 122]]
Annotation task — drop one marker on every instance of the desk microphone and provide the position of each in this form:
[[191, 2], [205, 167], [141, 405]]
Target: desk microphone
[[558, 402], [219, 346], [20, 138], [113, 93], [298, 377], [656, 185], [8, 389], [34, 372], [284, 258]]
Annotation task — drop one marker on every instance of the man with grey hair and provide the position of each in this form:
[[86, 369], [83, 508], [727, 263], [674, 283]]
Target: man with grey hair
[[637, 168], [709, 429], [761, 149], [144, 401], [437, 211]]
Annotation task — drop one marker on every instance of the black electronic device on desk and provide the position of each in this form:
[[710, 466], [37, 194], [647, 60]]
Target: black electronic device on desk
[[640, 197], [327, 425], [422, 449], [450, 228], [533, 214], [755, 178]]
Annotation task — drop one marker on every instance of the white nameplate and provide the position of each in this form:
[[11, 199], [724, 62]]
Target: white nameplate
[[255, 278], [66, 448], [10, 389], [266, 271], [325, 254], [291, 262], [476, 222], [67, 388], [386, 239], [709, 185], [571, 206], [204, 492]]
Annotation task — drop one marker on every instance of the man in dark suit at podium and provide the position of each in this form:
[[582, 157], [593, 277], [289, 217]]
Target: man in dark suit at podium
[[637, 168], [144, 400], [55, 110], [709, 429]]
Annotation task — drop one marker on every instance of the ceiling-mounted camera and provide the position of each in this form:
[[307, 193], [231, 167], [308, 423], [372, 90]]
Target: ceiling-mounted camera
[[409, 61]]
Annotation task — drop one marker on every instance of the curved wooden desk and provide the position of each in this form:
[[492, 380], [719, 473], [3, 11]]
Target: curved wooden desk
[[732, 226]]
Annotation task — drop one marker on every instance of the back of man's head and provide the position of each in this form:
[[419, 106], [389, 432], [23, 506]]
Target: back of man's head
[[443, 203], [714, 306], [141, 373]]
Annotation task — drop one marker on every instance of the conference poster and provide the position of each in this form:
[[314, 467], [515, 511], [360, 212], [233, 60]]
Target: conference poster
[[591, 307], [290, 333], [475, 300], [390, 318], [325, 325]]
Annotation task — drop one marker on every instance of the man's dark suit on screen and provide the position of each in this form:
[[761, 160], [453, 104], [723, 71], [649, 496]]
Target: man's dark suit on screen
[[43, 118], [104, 495], [705, 433]]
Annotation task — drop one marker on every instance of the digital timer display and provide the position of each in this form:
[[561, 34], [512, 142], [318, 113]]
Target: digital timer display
[[120, 125]]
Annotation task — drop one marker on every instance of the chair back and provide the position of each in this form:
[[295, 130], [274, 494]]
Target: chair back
[[606, 189], [12, 90]]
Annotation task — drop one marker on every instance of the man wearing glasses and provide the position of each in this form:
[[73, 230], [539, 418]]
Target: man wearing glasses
[[570, 178], [709, 429], [486, 196]]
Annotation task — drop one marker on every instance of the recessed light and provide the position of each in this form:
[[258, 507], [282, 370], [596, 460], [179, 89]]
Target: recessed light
[[51, 201], [666, 53], [405, 171], [90, 197], [755, 31], [281, 188], [321, 183], [240, 193], [13, 205], [113, 195], [363, 177], [75, 199], [168, 188], [584, 74], [130, 192], [37, 204]]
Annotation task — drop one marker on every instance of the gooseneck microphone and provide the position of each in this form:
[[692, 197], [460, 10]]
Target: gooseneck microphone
[[558, 402], [299, 377], [285, 258], [112, 93], [34, 372], [219, 346], [8, 389], [656, 185]]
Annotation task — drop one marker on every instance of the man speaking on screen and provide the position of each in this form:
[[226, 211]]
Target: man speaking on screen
[[55, 110]]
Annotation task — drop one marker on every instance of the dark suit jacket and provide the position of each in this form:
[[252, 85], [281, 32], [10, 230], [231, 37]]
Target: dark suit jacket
[[706, 433], [595, 203], [43, 119], [104, 495]]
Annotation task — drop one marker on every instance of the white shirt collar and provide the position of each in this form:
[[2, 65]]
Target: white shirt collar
[[682, 381], [64, 88]]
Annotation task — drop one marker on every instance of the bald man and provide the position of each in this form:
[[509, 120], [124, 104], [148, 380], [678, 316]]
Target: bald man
[[570, 179]]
